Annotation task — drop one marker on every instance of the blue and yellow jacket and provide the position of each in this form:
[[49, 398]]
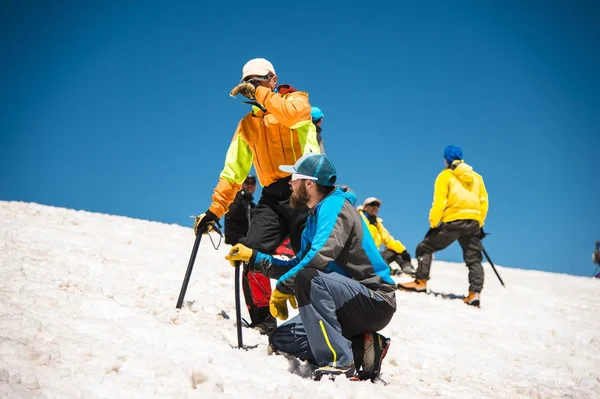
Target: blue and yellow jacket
[[335, 240]]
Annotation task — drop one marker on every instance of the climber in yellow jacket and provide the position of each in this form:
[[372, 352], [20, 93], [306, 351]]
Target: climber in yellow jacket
[[458, 212], [394, 250]]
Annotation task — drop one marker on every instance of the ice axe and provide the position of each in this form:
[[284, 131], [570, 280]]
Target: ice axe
[[188, 272], [238, 304]]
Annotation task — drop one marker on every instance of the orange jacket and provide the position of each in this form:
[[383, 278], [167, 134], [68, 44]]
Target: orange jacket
[[278, 137]]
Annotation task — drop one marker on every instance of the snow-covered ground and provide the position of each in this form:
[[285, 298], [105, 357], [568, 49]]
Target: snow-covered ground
[[87, 310]]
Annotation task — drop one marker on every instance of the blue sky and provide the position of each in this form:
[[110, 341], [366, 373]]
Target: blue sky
[[123, 108]]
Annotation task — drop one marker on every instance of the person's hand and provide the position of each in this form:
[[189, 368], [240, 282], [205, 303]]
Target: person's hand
[[482, 234], [203, 223], [246, 89], [278, 304], [239, 253]]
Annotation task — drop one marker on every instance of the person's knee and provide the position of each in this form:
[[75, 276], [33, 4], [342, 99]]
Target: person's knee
[[302, 285], [422, 249]]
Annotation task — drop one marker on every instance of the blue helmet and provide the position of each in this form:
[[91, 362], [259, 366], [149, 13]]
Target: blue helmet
[[316, 113]]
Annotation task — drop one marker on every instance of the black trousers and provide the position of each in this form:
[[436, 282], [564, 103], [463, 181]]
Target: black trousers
[[273, 219], [467, 232]]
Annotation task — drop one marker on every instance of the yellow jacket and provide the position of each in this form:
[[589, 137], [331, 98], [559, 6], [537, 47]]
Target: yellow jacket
[[459, 194], [278, 137], [382, 236]]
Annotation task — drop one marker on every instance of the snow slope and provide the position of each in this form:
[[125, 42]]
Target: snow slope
[[87, 310]]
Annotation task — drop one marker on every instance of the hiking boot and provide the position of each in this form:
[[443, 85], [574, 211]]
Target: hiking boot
[[267, 326], [332, 372], [395, 272], [418, 286], [407, 268], [376, 347], [472, 299]]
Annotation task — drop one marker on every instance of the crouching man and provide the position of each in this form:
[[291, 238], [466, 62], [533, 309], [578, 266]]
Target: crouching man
[[339, 281]]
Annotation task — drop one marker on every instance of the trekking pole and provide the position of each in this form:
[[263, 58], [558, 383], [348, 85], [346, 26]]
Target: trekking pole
[[492, 264], [188, 272], [596, 271]]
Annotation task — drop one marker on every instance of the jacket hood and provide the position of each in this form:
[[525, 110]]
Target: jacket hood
[[463, 172], [343, 192], [346, 193]]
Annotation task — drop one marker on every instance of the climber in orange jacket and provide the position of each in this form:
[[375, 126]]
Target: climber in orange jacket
[[277, 131]]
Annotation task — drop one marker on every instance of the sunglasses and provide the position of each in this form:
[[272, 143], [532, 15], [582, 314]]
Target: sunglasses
[[375, 204], [299, 176]]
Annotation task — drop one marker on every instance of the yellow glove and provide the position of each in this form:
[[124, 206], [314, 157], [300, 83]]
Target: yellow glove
[[245, 89], [239, 252], [278, 304]]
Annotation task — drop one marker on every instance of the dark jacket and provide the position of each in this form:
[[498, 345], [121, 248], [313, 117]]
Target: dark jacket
[[236, 220]]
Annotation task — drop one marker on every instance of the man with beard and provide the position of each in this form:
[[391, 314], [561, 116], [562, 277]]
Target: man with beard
[[338, 281], [277, 130], [317, 119]]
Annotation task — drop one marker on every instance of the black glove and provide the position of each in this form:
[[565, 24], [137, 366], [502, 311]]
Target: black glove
[[405, 256], [482, 234], [203, 223]]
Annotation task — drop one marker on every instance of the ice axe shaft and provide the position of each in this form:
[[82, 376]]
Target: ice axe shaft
[[188, 272], [190, 267]]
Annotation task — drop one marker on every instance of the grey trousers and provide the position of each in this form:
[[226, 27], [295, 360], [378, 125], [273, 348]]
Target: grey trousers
[[335, 312]]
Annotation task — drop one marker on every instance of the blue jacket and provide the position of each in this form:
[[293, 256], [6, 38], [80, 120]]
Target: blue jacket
[[335, 240]]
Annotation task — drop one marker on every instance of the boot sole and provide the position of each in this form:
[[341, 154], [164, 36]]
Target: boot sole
[[411, 289], [474, 303]]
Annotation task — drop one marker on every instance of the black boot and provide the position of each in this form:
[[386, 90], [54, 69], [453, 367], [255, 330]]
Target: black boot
[[262, 321]]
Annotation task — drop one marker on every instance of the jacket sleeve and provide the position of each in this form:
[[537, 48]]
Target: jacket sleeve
[[440, 197], [291, 110], [484, 203], [333, 230], [273, 267], [388, 240], [238, 163]]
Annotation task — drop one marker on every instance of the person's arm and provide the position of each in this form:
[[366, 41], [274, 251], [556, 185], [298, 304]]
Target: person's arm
[[333, 229], [291, 110], [484, 202], [440, 197], [388, 240], [238, 163]]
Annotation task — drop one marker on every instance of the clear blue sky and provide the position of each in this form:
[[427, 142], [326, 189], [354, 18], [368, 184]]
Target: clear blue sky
[[122, 107]]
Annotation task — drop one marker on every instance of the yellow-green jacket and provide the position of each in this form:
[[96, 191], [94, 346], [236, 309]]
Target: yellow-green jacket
[[382, 236], [459, 194]]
